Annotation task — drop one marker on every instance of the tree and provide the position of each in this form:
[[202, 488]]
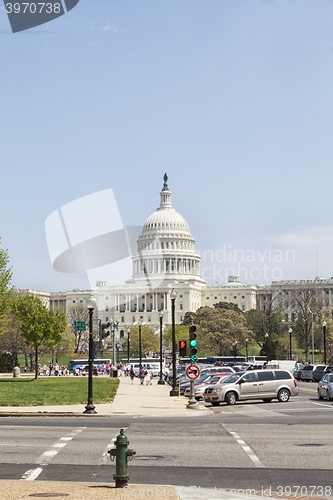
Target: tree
[[181, 332], [267, 321], [39, 325], [219, 328], [66, 346], [11, 340], [6, 290], [228, 305], [305, 301], [149, 340], [78, 312]]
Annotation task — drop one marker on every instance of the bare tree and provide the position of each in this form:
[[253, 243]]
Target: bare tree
[[77, 312], [308, 304]]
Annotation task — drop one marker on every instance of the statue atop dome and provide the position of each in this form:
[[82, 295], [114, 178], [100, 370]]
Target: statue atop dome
[[165, 186]]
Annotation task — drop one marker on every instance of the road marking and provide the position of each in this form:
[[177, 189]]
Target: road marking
[[32, 474], [309, 390], [44, 458], [321, 404], [106, 456], [250, 453]]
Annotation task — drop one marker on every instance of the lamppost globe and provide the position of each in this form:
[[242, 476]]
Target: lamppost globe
[[173, 295], [91, 302], [324, 323]]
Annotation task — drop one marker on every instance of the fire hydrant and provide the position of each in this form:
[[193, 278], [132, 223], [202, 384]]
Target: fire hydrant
[[121, 452]]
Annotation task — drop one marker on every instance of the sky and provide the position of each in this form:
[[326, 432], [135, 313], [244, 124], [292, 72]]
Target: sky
[[232, 98]]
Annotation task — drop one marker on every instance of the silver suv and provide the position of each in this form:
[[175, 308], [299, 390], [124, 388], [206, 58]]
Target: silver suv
[[258, 384]]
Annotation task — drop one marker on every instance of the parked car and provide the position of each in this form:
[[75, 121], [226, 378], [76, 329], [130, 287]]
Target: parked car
[[306, 374], [259, 384], [318, 373], [205, 376], [200, 388], [325, 387]]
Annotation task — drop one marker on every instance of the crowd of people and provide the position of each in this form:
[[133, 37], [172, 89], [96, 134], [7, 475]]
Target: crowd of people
[[145, 375]]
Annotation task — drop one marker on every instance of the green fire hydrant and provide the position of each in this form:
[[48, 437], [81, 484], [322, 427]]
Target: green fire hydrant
[[121, 452]]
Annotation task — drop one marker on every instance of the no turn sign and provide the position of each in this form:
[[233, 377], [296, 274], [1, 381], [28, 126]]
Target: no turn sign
[[192, 372]]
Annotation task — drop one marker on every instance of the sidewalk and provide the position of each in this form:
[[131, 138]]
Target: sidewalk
[[153, 400]]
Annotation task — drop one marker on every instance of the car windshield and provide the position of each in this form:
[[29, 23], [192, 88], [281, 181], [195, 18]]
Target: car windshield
[[233, 377], [330, 378]]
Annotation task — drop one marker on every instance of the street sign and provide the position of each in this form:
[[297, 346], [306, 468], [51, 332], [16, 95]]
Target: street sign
[[80, 325], [192, 372]]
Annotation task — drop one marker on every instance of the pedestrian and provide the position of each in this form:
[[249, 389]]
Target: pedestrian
[[132, 374], [148, 376], [141, 375]]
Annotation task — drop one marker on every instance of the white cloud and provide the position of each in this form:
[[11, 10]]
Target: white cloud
[[106, 27]]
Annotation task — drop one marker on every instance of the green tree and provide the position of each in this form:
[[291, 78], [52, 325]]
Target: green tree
[[181, 332], [40, 326], [11, 340], [66, 346], [228, 305], [219, 328], [149, 340], [6, 289]]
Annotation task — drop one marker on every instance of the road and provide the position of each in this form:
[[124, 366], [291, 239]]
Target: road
[[249, 445]]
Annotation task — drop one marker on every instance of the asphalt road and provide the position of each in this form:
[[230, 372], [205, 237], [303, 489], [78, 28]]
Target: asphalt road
[[250, 445]]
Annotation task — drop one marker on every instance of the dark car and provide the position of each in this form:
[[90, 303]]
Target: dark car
[[318, 372], [297, 373]]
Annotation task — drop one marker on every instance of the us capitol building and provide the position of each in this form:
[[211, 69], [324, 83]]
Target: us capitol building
[[166, 260]]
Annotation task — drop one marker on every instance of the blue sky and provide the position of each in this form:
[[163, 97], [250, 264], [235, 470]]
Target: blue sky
[[232, 98]]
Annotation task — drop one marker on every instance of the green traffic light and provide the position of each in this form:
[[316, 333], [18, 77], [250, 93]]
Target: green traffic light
[[193, 343]]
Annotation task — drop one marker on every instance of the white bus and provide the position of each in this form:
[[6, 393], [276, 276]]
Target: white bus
[[82, 364], [154, 364]]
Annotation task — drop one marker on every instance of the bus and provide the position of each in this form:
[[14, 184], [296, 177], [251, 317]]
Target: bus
[[82, 364], [253, 360], [154, 364]]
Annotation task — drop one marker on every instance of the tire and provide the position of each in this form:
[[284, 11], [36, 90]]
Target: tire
[[321, 397], [267, 400], [283, 395], [231, 398], [328, 396], [215, 403]]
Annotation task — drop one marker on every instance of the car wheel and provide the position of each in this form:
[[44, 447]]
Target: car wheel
[[215, 403], [231, 398], [320, 396], [283, 395], [328, 396], [267, 400]]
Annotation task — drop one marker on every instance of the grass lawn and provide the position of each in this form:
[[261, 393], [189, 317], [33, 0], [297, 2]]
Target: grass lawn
[[55, 391]]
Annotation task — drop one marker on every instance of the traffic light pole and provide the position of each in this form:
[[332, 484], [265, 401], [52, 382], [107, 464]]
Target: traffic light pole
[[193, 404]]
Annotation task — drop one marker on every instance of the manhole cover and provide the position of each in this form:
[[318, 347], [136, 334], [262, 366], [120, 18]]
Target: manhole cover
[[147, 457], [48, 495], [309, 445]]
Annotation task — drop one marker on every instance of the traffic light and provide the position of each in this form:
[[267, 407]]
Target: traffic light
[[182, 348], [103, 332], [193, 344]]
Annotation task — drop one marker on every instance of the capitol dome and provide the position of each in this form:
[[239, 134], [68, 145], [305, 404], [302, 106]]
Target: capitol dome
[[166, 246]]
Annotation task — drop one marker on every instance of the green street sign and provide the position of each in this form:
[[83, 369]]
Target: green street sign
[[80, 325]]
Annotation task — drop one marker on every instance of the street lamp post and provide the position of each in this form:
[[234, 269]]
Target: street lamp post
[[266, 345], [91, 304], [247, 357], [324, 332], [114, 326], [173, 391], [140, 351], [161, 381], [290, 332], [235, 350], [128, 343], [311, 314]]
